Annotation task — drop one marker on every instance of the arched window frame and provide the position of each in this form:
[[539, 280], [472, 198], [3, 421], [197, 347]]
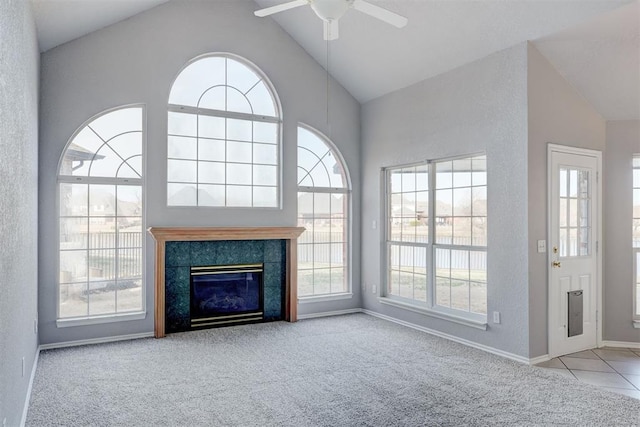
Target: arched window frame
[[308, 235], [139, 312], [197, 111]]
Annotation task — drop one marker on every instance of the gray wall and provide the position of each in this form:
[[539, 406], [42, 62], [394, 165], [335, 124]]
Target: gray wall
[[557, 114], [135, 61], [481, 106], [623, 141], [18, 204]]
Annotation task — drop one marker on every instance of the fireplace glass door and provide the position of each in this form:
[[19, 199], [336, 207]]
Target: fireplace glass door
[[226, 294]]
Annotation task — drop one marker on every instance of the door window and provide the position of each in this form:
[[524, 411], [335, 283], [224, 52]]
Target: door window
[[574, 212]]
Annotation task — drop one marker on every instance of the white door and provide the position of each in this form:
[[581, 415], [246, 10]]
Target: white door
[[573, 256]]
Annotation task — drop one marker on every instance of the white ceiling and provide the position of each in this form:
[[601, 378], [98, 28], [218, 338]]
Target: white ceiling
[[60, 21], [593, 43]]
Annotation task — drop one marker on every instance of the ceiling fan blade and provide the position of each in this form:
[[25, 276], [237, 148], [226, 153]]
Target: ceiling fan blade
[[380, 13], [280, 8], [331, 30]]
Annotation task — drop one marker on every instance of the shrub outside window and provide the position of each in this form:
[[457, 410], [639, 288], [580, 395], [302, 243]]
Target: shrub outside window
[[223, 136], [101, 218]]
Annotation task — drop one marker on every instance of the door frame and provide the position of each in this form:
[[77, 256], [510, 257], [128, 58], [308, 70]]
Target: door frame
[[551, 148]]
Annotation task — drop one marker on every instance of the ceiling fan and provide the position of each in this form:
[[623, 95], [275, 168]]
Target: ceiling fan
[[330, 11]]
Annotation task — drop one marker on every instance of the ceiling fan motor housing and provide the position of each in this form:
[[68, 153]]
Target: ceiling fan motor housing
[[330, 10]]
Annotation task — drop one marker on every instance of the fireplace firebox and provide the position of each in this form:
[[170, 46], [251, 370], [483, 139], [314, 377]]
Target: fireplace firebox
[[223, 295]]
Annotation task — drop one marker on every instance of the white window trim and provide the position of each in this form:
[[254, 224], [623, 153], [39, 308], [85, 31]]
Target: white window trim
[[634, 275], [114, 317], [95, 320], [635, 251], [430, 308], [474, 321], [324, 298]]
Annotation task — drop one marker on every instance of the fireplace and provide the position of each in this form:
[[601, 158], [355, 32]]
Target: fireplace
[[178, 249], [224, 295]]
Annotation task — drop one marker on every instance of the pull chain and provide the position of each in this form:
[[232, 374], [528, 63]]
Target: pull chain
[[328, 24]]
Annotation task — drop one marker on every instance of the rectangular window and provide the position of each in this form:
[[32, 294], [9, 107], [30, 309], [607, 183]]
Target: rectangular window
[[101, 235], [323, 246], [220, 161], [437, 235], [635, 233], [408, 231]]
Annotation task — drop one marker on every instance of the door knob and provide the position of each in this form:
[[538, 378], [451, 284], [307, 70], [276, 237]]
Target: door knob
[[556, 264]]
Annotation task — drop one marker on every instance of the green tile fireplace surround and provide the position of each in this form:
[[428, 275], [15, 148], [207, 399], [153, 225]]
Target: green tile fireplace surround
[[181, 256], [180, 248]]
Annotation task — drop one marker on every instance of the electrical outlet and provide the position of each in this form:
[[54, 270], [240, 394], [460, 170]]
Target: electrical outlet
[[496, 317], [374, 289], [23, 367], [542, 246], [35, 326], [374, 224]]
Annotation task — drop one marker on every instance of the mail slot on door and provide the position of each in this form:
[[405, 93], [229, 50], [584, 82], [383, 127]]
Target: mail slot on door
[[574, 322]]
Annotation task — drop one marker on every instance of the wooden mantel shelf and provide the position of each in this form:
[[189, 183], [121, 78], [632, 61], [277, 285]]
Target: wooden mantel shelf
[[181, 234]]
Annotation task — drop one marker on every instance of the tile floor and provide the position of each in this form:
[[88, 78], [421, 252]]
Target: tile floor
[[614, 369]]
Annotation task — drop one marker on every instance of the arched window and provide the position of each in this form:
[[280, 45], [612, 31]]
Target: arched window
[[101, 220], [223, 136], [323, 209]]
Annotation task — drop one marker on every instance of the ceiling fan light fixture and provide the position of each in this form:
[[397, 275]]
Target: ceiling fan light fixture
[[330, 10]]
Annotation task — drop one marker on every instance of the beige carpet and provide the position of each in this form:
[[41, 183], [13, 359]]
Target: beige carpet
[[353, 370]]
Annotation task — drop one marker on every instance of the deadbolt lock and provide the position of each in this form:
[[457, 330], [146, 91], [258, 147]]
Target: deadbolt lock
[[555, 249]]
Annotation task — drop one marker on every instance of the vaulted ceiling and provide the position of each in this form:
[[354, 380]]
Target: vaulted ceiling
[[594, 44]]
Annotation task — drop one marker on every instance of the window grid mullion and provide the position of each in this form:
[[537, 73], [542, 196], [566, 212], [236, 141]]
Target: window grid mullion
[[330, 245], [313, 242], [116, 253], [197, 159], [185, 109], [253, 164], [226, 155], [431, 276], [578, 214], [88, 246], [469, 282], [450, 279]]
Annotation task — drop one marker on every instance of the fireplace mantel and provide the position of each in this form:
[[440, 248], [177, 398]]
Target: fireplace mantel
[[183, 234]]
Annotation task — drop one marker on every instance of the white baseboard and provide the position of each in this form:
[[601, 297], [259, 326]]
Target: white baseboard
[[622, 344], [25, 409], [468, 343], [539, 359], [329, 313], [96, 341]]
